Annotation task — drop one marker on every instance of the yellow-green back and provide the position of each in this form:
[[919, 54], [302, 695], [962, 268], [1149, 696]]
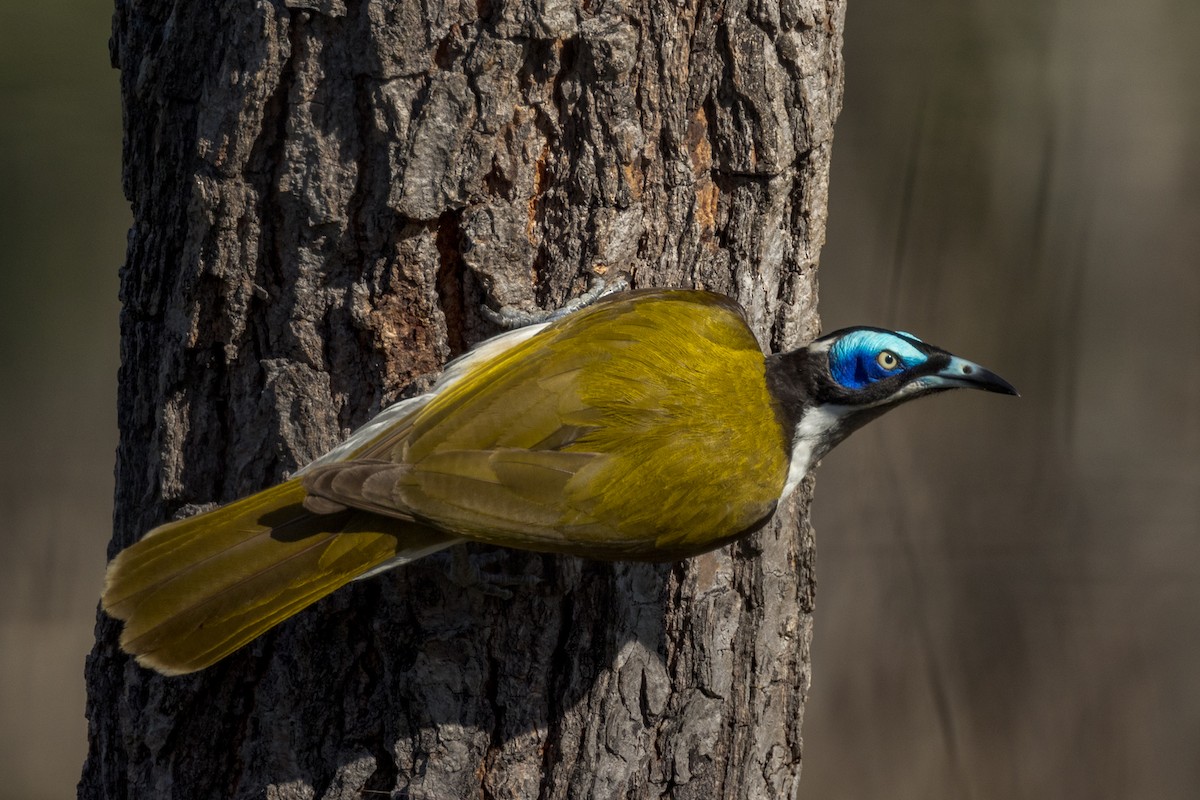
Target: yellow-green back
[[640, 427]]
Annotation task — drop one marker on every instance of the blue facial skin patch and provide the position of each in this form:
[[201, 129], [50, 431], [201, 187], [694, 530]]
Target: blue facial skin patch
[[853, 359]]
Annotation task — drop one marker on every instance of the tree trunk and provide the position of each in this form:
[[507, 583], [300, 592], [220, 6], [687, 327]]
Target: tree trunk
[[324, 193]]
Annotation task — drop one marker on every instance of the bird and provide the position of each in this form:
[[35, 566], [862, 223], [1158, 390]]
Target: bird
[[646, 426]]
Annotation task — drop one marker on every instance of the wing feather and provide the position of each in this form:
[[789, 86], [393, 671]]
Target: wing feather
[[584, 437]]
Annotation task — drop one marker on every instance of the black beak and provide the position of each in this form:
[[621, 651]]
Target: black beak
[[960, 373]]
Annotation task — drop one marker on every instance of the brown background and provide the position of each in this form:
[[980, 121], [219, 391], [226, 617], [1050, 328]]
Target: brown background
[[1009, 600]]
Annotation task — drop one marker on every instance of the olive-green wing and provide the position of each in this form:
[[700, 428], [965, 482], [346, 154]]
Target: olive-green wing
[[631, 429], [509, 496]]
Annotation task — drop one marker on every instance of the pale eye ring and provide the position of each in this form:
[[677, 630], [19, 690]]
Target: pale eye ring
[[888, 360]]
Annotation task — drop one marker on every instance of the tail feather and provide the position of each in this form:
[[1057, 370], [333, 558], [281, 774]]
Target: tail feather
[[193, 591]]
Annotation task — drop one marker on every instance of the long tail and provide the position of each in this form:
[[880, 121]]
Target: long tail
[[193, 591]]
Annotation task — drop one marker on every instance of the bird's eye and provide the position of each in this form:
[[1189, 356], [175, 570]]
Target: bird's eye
[[888, 360]]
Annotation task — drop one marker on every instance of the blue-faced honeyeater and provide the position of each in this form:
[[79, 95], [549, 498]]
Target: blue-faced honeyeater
[[647, 426]]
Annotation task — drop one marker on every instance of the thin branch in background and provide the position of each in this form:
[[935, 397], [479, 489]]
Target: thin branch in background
[[1044, 462], [934, 673], [1072, 322], [1040, 223], [907, 206]]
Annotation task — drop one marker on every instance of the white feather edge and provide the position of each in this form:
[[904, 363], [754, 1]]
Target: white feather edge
[[455, 371]]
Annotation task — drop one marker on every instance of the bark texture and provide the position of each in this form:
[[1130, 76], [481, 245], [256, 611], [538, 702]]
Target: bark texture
[[324, 193]]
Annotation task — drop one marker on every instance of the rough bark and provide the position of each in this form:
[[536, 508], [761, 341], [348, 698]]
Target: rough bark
[[324, 194]]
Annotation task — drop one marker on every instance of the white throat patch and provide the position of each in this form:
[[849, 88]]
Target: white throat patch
[[813, 438]]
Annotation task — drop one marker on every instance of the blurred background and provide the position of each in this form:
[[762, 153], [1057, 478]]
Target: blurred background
[[1009, 597], [62, 223]]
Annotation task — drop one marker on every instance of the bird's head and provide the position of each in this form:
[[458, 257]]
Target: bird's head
[[871, 368], [839, 382]]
